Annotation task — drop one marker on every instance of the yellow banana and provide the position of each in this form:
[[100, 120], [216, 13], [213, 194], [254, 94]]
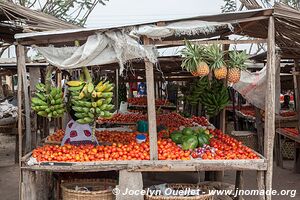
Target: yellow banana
[[74, 83]]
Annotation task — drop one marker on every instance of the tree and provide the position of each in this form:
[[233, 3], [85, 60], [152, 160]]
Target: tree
[[229, 6], [73, 11]]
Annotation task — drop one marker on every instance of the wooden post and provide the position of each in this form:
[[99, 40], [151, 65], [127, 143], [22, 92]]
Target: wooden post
[[260, 130], [151, 106], [270, 105], [117, 90], [34, 74], [296, 78], [59, 85], [239, 184], [9, 82], [20, 62], [22, 66], [129, 181], [260, 183], [297, 102]]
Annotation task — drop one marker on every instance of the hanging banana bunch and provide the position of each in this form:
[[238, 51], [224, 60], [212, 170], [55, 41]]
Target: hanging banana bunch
[[90, 101], [48, 101]]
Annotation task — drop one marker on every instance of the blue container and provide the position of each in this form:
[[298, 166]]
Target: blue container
[[140, 138]]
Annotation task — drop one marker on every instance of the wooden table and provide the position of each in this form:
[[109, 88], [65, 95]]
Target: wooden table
[[278, 145]]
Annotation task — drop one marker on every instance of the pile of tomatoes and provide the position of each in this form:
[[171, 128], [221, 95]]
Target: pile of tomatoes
[[292, 131], [288, 114], [248, 110], [170, 120], [200, 120], [115, 136], [227, 148], [142, 101], [57, 136], [167, 150], [124, 118]]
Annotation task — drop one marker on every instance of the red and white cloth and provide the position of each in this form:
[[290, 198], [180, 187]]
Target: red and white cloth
[[77, 134]]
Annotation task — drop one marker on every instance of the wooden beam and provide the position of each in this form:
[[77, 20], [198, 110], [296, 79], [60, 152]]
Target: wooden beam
[[166, 43], [270, 105], [151, 106], [34, 75], [296, 71], [260, 130], [22, 65], [117, 89], [20, 61]]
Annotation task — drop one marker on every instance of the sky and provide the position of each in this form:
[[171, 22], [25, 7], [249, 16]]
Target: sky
[[124, 11]]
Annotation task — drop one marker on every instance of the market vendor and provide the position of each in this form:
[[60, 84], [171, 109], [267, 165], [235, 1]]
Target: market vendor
[[286, 102], [78, 134]]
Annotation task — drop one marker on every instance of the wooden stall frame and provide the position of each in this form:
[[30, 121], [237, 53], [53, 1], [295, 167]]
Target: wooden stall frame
[[262, 166]]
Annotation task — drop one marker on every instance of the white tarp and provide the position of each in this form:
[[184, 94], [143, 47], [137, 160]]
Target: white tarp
[[193, 27], [99, 49], [252, 87]]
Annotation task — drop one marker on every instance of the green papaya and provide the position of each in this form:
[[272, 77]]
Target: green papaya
[[176, 137], [189, 142]]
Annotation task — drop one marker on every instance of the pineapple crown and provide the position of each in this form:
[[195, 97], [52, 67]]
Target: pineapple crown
[[192, 54], [237, 59], [215, 56]]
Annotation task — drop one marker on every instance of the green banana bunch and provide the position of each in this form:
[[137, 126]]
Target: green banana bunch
[[215, 99], [90, 101], [48, 104]]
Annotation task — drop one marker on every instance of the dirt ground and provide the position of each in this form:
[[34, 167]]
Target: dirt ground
[[283, 178]]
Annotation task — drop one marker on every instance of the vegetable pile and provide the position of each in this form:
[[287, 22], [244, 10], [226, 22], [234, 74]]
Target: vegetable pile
[[191, 139]]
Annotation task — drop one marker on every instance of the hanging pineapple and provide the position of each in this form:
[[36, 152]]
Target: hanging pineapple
[[215, 56], [194, 59], [236, 65]]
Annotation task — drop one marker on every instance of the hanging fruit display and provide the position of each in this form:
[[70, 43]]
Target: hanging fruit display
[[216, 59], [90, 101], [48, 101], [236, 64], [197, 89], [193, 59], [215, 97]]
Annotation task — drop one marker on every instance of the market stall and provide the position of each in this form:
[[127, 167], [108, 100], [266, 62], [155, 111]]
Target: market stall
[[123, 48]]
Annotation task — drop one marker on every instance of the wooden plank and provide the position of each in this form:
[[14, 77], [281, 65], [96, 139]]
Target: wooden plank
[[21, 65], [20, 61], [277, 149], [296, 69], [154, 165], [290, 136], [29, 187], [151, 107], [239, 184], [270, 105], [297, 158], [117, 89], [34, 75], [260, 183], [59, 85], [260, 130], [167, 43]]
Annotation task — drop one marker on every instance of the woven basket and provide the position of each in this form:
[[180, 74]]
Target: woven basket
[[178, 186], [88, 189], [248, 138], [288, 149]]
